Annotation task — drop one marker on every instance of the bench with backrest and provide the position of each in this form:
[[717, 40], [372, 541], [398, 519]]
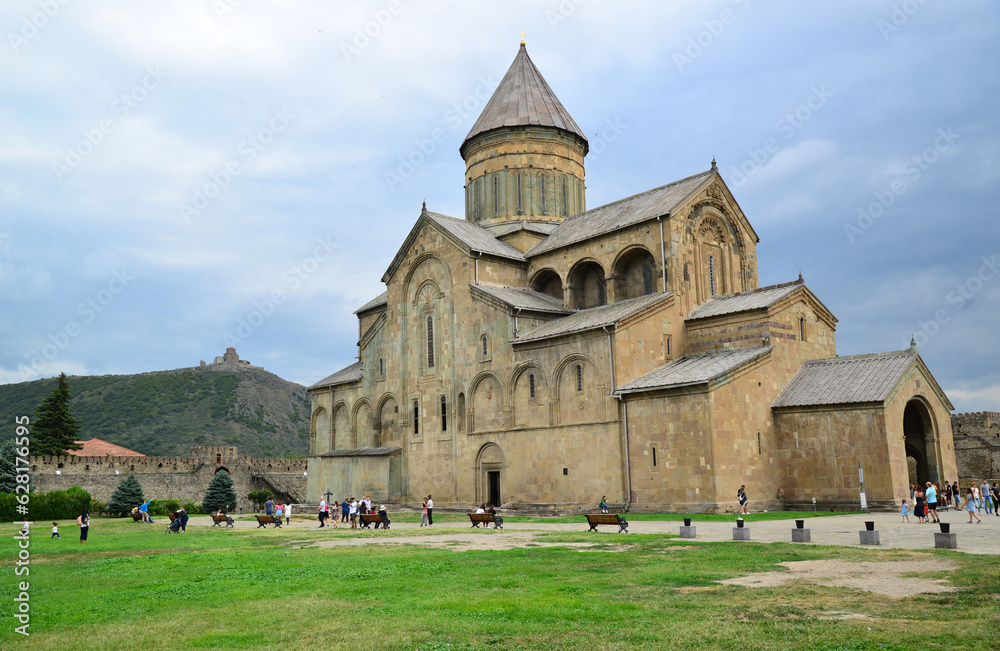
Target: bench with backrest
[[264, 520], [594, 519], [486, 519], [368, 519], [221, 519], [136, 517]]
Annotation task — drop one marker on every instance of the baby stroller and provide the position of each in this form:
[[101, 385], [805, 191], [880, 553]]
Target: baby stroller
[[174, 526]]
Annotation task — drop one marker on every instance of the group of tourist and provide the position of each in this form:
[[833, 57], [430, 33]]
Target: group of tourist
[[278, 510], [976, 499], [349, 508]]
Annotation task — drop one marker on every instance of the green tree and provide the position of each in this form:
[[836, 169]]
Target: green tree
[[126, 497], [220, 493], [55, 430], [258, 497], [8, 474]]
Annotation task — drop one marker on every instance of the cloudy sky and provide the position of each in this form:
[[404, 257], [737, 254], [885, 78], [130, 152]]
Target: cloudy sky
[[177, 179]]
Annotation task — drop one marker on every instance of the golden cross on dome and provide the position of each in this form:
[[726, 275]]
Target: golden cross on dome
[[522, 36]]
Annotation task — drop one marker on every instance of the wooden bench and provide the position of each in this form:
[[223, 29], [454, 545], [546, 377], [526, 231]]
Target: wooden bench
[[368, 519], [264, 520], [594, 519], [486, 519], [136, 517], [221, 519]]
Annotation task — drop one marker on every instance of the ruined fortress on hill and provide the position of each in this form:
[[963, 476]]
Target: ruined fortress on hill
[[180, 478]]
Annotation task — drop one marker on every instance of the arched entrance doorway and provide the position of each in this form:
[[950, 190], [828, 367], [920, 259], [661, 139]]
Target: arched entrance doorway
[[490, 467], [917, 436]]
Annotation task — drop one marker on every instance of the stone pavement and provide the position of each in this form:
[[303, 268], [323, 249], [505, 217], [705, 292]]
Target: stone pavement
[[830, 530]]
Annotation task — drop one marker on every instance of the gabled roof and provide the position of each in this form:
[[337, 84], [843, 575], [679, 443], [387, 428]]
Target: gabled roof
[[352, 373], [851, 380], [384, 451], [472, 237], [524, 98], [522, 299], [378, 301], [99, 448], [622, 213], [694, 369], [593, 318]]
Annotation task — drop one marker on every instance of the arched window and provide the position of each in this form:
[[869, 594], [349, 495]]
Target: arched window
[[531, 385], [542, 179], [647, 279], [478, 198], [430, 342], [802, 329], [519, 194], [486, 350], [496, 195], [416, 417], [711, 274], [461, 412], [444, 414], [579, 377], [565, 207]]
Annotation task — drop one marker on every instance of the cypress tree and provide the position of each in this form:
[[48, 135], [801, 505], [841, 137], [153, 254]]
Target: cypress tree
[[55, 430], [127, 496], [8, 472], [220, 493]]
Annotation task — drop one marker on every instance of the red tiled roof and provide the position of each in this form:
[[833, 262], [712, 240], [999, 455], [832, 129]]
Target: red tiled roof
[[99, 448]]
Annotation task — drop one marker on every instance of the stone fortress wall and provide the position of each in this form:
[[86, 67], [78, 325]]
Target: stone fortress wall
[[977, 445], [180, 478]]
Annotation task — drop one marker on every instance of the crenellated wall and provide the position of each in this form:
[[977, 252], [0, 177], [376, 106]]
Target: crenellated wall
[[180, 478]]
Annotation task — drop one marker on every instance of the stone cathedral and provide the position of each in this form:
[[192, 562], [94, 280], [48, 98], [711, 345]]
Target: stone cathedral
[[539, 354]]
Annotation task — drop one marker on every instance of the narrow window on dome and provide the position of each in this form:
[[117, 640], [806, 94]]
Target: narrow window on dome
[[565, 210], [496, 195], [519, 193], [543, 194]]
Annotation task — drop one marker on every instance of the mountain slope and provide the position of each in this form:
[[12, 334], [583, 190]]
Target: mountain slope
[[166, 412]]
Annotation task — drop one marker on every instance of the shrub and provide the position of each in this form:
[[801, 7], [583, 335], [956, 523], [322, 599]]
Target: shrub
[[56, 505], [163, 507], [191, 508]]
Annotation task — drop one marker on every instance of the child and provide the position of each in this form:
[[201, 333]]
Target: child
[[905, 512], [24, 529], [55, 531]]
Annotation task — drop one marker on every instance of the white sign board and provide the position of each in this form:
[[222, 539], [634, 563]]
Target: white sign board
[[864, 501]]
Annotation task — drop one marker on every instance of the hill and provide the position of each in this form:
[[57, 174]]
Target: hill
[[166, 412]]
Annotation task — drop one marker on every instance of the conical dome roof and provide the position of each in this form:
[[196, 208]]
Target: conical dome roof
[[523, 98]]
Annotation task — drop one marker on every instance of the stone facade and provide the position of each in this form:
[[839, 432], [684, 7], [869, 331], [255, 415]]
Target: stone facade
[[180, 478], [538, 354], [977, 445]]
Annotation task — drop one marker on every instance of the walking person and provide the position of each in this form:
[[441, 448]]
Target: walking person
[[322, 513], [995, 494], [423, 513], [970, 505], [55, 531], [931, 496], [919, 509], [354, 513], [345, 509], [269, 507], [741, 497], [430, 511], [984, 496], [288, 514], [957, 494], [904, 512], [84, 522]]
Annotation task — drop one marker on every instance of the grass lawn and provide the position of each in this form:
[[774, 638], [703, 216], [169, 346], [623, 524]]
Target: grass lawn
[[132, 587]]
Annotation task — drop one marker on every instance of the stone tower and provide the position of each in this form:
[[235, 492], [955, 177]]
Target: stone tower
[[524, 159]]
